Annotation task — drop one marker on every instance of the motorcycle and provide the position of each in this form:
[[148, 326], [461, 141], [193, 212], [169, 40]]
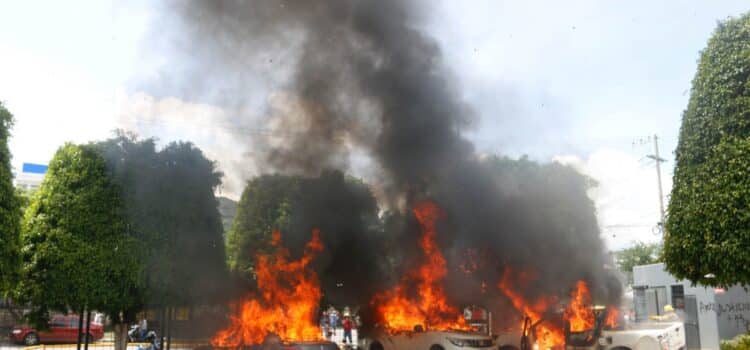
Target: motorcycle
[[135, 335]]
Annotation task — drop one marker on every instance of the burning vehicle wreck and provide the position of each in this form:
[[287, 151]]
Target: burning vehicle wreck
[[285, 306], [413, 314], [424, 320], [430, 340], [430, 225]]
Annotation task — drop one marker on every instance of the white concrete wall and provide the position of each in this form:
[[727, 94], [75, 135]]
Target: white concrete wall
[[28, 180], [656, 276], [732, 311]]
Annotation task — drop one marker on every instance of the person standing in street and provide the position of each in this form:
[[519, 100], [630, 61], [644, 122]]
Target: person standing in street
[[143, 327], [333, 318], [348, 324]]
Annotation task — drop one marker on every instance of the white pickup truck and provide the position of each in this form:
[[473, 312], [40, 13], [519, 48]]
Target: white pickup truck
[[644, 336], [636, 336]]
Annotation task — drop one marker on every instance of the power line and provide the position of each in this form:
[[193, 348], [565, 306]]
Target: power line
[[627, 225]]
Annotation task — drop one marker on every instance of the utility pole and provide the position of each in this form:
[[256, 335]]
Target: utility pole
[[659, 160]]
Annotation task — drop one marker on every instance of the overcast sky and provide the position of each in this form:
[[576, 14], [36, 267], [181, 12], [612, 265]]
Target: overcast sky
[[580, 82]]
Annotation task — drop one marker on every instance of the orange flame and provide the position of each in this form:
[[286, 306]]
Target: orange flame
[[579, 313], [547, 335], [286, 302], [398, 310], [613, 314], [470, 263]]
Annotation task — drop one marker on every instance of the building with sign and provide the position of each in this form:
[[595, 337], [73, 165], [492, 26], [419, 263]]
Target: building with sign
[[710, 314], [31, 176]]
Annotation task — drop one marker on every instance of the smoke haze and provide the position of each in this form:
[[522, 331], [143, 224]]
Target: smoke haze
[[354, 79]]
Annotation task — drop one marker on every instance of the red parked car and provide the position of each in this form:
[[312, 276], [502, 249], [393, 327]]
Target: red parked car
[[62, 329]]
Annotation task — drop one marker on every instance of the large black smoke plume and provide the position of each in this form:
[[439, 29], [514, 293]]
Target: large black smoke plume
[[359, 79]]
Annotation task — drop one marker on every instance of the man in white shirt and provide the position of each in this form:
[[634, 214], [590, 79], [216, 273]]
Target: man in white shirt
[[143, 325]]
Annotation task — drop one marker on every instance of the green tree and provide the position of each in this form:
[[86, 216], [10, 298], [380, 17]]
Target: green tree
[[708, 227], [195, 253], [549, 205], [24, 197], [265, 205], [77, 251], [344, 210], [170, 205], [9, 210], [639, 253]]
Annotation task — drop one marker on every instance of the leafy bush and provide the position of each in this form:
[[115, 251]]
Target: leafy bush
[[741, 342]]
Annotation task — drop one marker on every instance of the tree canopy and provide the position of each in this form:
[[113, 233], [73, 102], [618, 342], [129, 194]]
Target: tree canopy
[[708, 226], [9, 209], [342, 207], [265, 205], [76, 248], [639, 253], [170, 206], [534, 216], [117, 225]]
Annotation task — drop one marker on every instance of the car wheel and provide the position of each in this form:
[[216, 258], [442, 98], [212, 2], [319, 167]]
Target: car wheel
[[376, 346], [436, 347], [31, 339]]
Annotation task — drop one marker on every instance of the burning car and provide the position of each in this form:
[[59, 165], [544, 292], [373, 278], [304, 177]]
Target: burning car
[[310, 345], [590, 327], [424, 320], [281, 314], [274, 342], [420, 339], [607, 334]]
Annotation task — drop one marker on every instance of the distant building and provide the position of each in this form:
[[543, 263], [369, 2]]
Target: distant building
[[710, 314], [31, 176]]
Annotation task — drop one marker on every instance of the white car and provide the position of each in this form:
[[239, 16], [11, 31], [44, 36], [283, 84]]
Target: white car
[[634, 336], [430, 340]]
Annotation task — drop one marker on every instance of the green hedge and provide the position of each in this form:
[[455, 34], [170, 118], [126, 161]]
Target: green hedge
[[741, 342]]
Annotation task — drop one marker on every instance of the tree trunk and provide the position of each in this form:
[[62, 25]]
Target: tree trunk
[[169, 328], [80, 329], [88, 330], [163, 316], [121, 336]]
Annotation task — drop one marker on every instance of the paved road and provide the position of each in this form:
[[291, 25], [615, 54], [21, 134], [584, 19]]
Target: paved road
[[97, 346], [5, 345]]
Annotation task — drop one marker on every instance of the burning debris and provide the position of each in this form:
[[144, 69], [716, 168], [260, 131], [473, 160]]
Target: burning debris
[[612, 320], [547, 331], [286, 303], [419, 298], [546, 320]]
